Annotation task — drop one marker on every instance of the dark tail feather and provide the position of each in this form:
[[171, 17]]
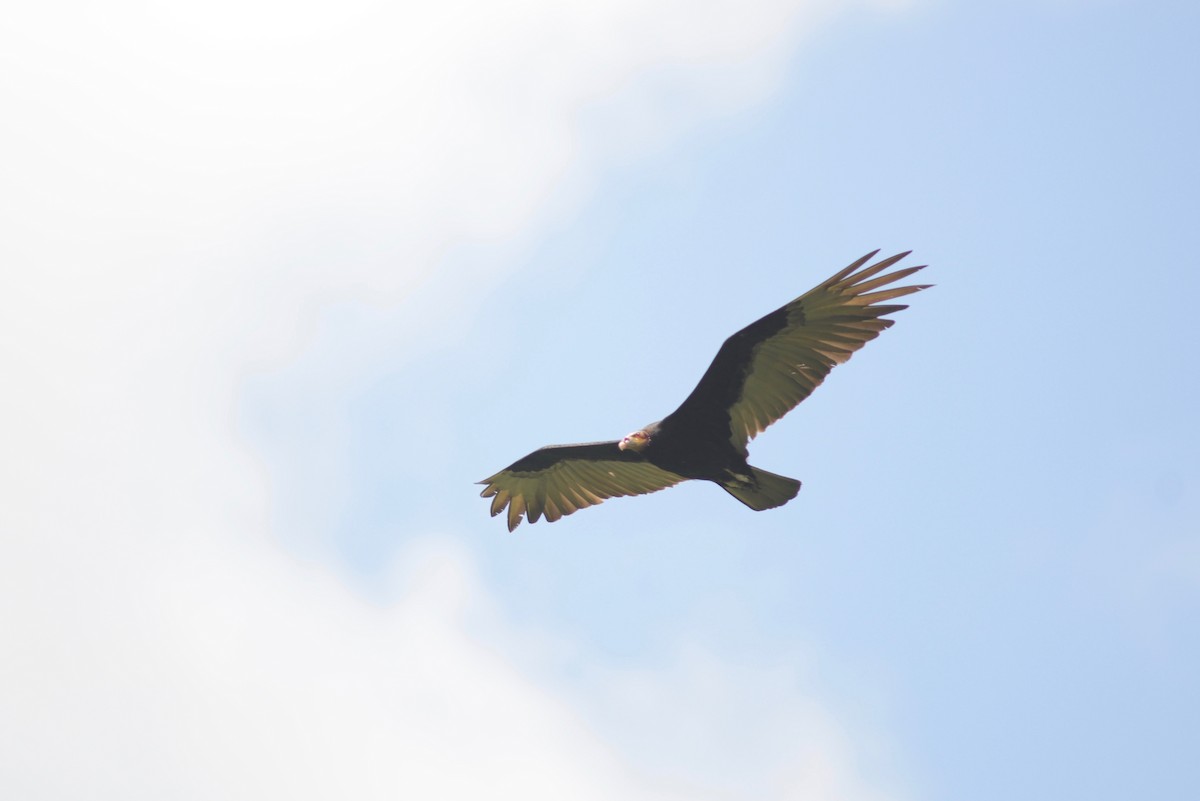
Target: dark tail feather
[[764, 490]]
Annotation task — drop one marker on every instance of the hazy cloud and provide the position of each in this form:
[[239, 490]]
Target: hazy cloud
[[181, 188]]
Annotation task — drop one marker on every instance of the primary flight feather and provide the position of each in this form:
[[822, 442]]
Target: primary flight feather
[[760, 374]]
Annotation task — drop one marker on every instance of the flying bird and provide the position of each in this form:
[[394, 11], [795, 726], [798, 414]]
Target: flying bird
[[760, 374]]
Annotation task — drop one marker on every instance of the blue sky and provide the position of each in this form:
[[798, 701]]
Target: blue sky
[[282, 290]]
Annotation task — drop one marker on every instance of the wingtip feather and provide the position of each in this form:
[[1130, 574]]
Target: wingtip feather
[[850, 268]]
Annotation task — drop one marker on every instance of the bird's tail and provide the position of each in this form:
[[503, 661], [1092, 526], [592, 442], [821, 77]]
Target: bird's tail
[[763, 490]]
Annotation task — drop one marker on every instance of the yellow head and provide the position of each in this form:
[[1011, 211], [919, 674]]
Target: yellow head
[[636, 442]]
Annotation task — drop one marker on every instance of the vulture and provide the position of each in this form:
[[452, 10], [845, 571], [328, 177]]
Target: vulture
[[760, 374]]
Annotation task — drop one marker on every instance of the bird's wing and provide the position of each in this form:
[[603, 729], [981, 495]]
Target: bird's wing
[[763, 371], [559, 479]]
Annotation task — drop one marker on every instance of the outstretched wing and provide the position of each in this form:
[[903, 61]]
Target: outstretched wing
[[559, 479], [763, 371]]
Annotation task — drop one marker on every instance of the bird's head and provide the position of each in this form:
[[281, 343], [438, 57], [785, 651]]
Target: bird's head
[[636, 442]]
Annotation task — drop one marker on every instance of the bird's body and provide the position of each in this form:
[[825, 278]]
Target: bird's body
[[758, 375]]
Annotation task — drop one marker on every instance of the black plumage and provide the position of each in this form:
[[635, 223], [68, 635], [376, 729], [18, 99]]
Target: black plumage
[[759, 374]]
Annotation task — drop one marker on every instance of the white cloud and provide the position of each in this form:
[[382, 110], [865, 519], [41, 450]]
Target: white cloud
[[204, 669], [180, 190], [739, 730]]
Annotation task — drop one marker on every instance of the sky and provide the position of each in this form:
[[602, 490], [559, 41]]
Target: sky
[[280, 282]]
